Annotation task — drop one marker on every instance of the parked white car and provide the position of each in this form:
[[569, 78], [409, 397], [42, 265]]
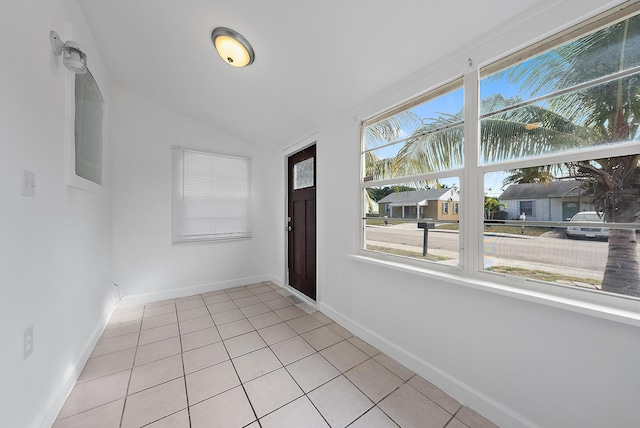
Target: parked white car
[[595, 232]]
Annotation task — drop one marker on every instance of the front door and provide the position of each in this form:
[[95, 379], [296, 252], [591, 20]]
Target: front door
[[569, 209], [301, 221]]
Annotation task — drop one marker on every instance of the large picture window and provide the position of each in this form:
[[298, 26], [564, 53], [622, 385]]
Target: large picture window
[[556, 151], [564, 125], [408, 183], [211, 196]]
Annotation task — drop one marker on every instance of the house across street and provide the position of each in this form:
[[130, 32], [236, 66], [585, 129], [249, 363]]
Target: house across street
[[553, 201], [436, 204]]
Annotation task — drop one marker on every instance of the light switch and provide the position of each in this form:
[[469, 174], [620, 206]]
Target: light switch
[[28, 187]]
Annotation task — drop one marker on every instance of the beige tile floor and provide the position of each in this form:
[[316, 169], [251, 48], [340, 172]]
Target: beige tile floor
[[247, 357]]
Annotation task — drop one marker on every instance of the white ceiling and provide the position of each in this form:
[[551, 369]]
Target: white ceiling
[[314, 59]]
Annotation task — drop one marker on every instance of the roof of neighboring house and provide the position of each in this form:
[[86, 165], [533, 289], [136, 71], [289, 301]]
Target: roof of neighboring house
[[552, 189], [413, 197]]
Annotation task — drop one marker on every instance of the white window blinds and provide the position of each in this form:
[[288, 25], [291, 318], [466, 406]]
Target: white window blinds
[[211, 196]]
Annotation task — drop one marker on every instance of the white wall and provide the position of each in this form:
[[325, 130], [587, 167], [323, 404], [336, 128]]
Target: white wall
[[55, 248], [518, 362], [146, 265]]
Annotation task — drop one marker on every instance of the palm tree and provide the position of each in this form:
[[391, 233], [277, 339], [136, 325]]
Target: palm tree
[[534, 174], [610, 112], [380, 133], [491, 206], [586, 113], [390, 129]]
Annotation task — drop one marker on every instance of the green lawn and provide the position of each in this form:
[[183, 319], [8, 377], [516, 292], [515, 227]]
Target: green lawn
[[492, 228], [413, 254], [376, 222], [448, 226], [541, 275], [499, 228]]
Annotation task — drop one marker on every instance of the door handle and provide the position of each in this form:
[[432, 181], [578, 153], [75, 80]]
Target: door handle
[[289, 228]]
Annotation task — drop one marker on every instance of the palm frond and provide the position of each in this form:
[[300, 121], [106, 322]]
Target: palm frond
[[390, 129], [436, 146]]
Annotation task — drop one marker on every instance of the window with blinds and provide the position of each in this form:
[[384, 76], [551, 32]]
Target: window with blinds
[[211, 196]]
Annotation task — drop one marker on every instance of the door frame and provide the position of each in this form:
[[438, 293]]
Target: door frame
[[293, 149]]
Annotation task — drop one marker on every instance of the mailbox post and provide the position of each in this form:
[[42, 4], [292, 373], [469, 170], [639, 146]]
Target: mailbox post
[[425, 238]]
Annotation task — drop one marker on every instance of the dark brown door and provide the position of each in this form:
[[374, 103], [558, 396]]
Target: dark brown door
[[302, 221]]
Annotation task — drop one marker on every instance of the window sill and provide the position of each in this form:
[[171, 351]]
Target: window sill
[[78, 182], [210, 240], [612, 308]]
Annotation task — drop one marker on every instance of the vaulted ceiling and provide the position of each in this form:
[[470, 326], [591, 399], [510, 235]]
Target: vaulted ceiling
[[314, 59]]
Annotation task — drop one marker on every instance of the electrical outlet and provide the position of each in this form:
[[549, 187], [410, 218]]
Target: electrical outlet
[[27, 342]]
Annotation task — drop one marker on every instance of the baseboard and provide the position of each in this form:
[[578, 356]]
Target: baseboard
[[276, 280], [71, 377], [462, 392], [138, 299]]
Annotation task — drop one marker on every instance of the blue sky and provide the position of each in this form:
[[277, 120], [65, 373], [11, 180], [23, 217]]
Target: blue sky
[[489, 87], [448, 104]]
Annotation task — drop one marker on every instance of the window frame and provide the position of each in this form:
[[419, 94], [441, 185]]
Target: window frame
[[471, 271], [81, 144], [454, 84], [182, 237], [72, 179]]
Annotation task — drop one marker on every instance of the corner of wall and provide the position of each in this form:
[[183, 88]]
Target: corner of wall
[[453, 386]]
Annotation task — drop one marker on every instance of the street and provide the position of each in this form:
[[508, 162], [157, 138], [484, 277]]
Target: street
[[551, 249]]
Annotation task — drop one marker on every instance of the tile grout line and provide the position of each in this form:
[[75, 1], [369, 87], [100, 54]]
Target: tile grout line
[[133, 363], [162, 383], [454, 416], [269, 347], [234, 366], [348, 380], [340, 373], [184, 378], [343, 339], [370, 357], [184, 372], [305, 394]]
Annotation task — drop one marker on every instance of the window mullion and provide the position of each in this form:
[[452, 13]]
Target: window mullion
[[472, 188], [413, 178]]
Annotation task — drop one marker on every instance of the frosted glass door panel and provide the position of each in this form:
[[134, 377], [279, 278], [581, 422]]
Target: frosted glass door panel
[[303, 174]]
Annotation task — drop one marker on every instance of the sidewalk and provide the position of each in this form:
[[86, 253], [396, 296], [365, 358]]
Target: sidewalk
[[413, 226], [453, 256]]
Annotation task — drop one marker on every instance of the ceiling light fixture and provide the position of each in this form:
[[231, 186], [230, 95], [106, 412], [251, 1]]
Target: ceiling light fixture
[[234, 49], [72, 57]]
